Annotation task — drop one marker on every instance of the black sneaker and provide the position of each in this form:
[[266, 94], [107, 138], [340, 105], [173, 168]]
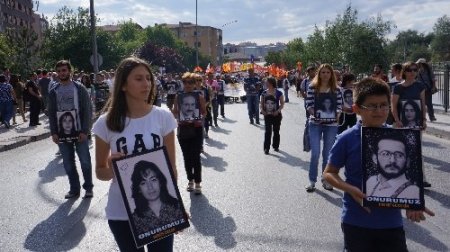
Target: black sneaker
[[71, 195], [426, 184], [266, 151], [310, 188]]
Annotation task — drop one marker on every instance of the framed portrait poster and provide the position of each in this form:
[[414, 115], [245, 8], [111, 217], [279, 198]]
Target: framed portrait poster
[[68, 126], [325, 107], [152, 199], [411, 114], [392, 168], [189, 106], [347, 94]]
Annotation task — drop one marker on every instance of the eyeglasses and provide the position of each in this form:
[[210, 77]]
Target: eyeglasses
[[373, 107], [411, 70], [387, 155]]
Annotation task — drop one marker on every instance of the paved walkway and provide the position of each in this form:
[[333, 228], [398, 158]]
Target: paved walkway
[[21, 134]]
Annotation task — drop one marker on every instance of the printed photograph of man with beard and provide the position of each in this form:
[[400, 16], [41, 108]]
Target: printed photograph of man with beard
[[393, 160]]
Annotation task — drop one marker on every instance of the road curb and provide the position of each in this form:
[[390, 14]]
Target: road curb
[[437, 132], [21, 141]]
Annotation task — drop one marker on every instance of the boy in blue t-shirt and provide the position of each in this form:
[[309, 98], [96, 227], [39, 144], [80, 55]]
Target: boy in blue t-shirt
[[365, 229]]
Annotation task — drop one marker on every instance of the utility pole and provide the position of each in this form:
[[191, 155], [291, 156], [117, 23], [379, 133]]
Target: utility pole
[[196, 35], [94, 39]]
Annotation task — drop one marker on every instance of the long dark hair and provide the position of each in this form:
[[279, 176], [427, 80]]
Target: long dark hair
[[416, 110], [61, 118], [117, 105], [140, 169]]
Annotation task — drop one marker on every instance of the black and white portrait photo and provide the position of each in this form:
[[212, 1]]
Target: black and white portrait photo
[[270, 104], [411, 114], [67, 125], [325, 107], [347, 95], [153, 202], [189, 105], [392, 166]]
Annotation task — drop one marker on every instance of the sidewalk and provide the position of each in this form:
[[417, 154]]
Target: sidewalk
[[20, 134]]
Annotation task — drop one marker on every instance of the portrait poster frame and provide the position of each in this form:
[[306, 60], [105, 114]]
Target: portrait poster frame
[[73, 135], [123, 170], [344, 102], [197, 114], [418, 111], [318, 114], [275, 105], [393, 193]]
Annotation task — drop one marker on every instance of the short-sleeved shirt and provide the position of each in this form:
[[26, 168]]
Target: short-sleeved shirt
[[149, 129], [5, 92], [411, 92], [346, 152]]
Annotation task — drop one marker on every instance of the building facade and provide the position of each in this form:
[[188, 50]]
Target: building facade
[[19, 14], [209, 39], [247, 51]]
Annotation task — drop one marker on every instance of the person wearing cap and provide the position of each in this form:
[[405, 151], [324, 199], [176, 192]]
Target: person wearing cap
[[426, 76]]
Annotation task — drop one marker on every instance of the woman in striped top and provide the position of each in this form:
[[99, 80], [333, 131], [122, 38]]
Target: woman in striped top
[[323, 89]]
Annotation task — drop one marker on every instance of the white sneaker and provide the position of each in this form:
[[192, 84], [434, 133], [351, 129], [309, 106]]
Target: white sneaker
[[327, 186]]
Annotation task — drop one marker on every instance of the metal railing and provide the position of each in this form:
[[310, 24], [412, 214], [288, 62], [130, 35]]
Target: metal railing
[[441, 98]]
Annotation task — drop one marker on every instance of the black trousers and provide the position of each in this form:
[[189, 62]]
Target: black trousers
[[346, 121], [272, 124], [429, 103], [124, 239], [35, 110], [221, 103], [191, 149], [373, 240]]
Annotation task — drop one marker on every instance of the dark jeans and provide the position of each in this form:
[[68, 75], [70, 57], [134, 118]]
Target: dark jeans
[[215, 109], [368, 240], [346, 121], [272, 123], [6, 111], [253, 107], [429, 103], [221, 103], [68, 155], [35, 110], [191, 149], [124, 239]]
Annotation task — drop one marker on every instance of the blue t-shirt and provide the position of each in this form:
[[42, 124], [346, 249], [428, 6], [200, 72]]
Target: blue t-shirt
[[346, 152]]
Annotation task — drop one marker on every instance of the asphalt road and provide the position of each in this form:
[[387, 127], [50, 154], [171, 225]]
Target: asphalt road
[[250, 201]]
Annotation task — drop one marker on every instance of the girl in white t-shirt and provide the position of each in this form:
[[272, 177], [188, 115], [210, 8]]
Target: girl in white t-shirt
[[131, 125]]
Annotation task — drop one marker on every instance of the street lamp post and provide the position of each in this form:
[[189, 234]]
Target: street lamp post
[[94, 39], [196, 35]]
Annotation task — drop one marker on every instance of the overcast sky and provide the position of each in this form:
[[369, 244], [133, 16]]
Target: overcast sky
[[260, 21]]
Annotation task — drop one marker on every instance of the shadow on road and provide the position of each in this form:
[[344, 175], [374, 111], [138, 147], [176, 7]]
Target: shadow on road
[[217, 163], [440, 165], [61, 231], [292, 161], [439, 197], [214, 143], [419, 234], [209, 221], [220, 130], [335, 201], [52, 170]]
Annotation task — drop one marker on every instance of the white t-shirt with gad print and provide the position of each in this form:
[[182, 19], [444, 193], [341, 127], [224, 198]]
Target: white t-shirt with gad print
[[149, 130]]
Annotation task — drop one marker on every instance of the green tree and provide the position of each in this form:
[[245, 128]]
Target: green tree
[[440, 43], [409, 45], [6, 51], [23, 43], [129, 38]]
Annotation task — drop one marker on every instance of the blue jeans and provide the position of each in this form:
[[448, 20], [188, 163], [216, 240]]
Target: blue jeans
[[253, 107], [68, 155], [317, 132], [6, 110]]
